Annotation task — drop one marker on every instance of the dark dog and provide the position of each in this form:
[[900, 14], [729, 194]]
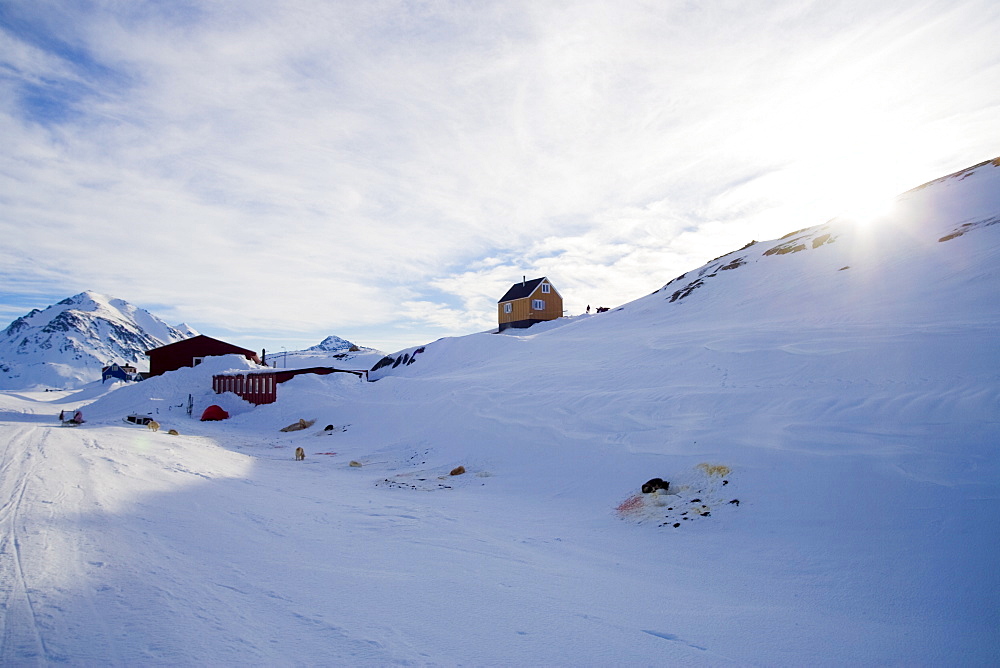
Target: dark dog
[[655, 484]]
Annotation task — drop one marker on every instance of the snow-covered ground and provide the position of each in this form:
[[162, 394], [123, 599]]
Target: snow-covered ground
[[853, 414]]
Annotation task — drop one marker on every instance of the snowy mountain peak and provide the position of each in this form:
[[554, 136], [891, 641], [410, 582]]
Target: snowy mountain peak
[[85, 297], [68, 343], [332, 344]]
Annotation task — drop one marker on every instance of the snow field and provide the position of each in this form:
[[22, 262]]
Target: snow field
[[852, 509], [856, 411]]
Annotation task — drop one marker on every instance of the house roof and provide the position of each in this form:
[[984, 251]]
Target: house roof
[[521, 290], [201, 339], [288, 374]]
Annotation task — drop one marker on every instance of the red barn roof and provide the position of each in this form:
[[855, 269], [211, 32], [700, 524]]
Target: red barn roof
[[189, 352]]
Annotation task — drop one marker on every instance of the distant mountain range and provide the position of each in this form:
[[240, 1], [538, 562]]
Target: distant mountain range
[[67, 344]]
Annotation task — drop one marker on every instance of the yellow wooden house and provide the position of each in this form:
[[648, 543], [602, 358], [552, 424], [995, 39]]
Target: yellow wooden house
[[528, 302]]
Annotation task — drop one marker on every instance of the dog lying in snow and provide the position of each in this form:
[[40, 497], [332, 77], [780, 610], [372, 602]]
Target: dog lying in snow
[[656, 483], [300, 425], [153, 425], [300, 454]]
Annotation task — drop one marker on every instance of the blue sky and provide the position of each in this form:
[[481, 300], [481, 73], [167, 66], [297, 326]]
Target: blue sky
[[272, 173]]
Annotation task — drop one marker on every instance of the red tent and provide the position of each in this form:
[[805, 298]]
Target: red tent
[[214, 412]]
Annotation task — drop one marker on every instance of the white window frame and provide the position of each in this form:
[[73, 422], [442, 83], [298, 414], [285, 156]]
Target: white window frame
[[508, 307], [537, 305], [195, 361], [546, 288]]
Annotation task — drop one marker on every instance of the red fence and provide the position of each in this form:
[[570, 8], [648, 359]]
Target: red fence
[[257, 388], [262, 388]]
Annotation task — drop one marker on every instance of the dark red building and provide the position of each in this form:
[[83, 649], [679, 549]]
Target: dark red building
[[190, 352]]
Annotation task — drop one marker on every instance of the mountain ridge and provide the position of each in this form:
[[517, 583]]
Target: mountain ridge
[[67, 343]]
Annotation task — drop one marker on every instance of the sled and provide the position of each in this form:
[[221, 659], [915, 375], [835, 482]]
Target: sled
[[138, 419]]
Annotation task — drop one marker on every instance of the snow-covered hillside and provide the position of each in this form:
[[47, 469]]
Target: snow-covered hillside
[[925, 260], [824, 406], [67, 344]]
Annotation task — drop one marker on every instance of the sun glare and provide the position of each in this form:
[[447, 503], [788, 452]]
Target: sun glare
[[858, 189], [869, 210]]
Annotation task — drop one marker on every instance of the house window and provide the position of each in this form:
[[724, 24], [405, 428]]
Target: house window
[[508, 307], [537, 305], [197, 360], [546, 288]]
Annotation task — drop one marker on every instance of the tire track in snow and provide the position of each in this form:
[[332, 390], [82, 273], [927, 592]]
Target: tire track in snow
[[22, 643]]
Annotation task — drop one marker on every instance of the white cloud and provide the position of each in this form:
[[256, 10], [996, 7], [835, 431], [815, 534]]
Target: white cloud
[[247, 162]]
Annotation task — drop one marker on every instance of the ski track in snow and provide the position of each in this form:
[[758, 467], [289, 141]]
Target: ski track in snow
[[116, 577], [22, 640]]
